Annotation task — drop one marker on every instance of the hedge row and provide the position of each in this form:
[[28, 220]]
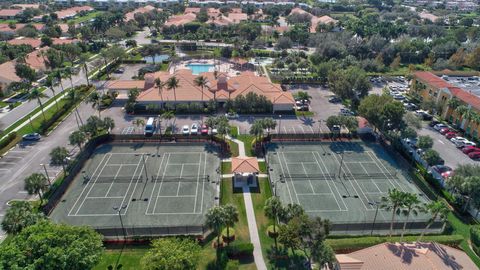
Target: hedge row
[[364, 242], [10, 138], [475, 235], [237, 250]]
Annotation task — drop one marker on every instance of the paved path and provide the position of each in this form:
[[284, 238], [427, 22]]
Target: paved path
[[252, 223]]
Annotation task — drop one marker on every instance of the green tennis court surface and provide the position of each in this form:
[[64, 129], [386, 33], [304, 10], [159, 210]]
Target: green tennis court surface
[[156, 186], [309, 174]]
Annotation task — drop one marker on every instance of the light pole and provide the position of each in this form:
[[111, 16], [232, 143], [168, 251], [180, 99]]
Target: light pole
[[376, 204], [119, 211], [280, 124], [46, 174]]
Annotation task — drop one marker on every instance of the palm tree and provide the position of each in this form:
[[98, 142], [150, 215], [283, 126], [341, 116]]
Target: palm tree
[[83, 61], [68, 71], [95, 99], [108, 124], [50, 83], [411, 205], [77, 138], [58, 75], [19, 216], [139, 122], [172, 84], [58, 156], [160, 85], [201, 82], [393, 202], [37, 94], [168, 115], [231, 216], [273, 209], [36, 183], [257, 129], [215, 219], [437, 209], [453, 103]]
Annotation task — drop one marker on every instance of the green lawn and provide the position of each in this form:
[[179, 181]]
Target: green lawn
[[226, 167], [247, 140], [227, 195], [87, 17], [129, 258], [461, 227], [262, 165]]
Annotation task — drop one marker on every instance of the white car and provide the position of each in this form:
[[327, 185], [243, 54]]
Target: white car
[[461, 144], [439, 127], [213, 131], [194, 129], [185, 130]]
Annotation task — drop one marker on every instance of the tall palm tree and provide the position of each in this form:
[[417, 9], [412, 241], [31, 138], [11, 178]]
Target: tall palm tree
[[437, 209], [36, 183], [273, 209], [215, 219], [108, 124], [231, 217], [201, 82], [168, 115], [411, 205], [37, 94], [77, 137], [58, 156], [95, 99], [453, 103], [173, 84], [392, 202], [50, 83], [83, 62], [58, 75], [68, 71], [160, 85]]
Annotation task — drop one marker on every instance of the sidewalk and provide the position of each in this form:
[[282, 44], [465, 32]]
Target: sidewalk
[[252, 223]]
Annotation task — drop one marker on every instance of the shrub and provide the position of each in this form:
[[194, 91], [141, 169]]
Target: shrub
[[475, 235], [232, 265], [240, 249], [10, 138]]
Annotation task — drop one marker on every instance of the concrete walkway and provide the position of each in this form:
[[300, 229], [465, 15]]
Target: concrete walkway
[[252, 223]]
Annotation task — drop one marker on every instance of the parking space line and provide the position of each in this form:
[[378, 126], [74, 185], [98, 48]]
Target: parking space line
[[440, 141]]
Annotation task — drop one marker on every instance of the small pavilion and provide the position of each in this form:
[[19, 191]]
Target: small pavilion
[[245, 170]]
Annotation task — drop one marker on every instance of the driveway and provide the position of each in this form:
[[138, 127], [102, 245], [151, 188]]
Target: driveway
[[447, 150]]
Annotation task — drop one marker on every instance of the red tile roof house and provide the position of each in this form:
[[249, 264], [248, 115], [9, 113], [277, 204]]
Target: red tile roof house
[[223, 87], [183, 19], [131, 15], [68, 13], [416, 256], [315, 21], [36, 42], [7, 76], [9, 13]]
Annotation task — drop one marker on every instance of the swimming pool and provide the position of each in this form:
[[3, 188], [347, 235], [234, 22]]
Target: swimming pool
[[199, 68]]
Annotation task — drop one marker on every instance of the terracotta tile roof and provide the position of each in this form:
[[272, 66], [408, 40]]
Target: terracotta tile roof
[[431, 79], [125, 84], [72, 12], [25, 6], [314, 20], [4, 27], [407, 256], [61, 41], [298, 11], [131, 15], [64, 27], [10, 12], [34, 42], [237, 17], [241, 165], [192, 10], [35, 59], [219, 20], [429, 16], [181, 19], [7, 73]]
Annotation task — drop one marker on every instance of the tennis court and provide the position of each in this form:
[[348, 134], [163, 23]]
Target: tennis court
[[151, 185], [340, 181]]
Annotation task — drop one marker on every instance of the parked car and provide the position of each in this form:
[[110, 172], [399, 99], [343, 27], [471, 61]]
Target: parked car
[[470, 149], [336, 129], [204, 130], [465, 144], [31, 137], [433, 123], [461, 142], [474, 155], [439, 127], [443, 170], [410, 141], [423, 115], [119, 70], [194, 129], [410, 106], [231, 115], [450, 135], [214, 131], [185, 130], [444, 131], [346, 112], [334, 99], [302, 108]]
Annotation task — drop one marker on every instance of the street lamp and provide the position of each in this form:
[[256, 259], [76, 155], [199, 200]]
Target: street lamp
[[46, 174], [376, 204], [280, 124], [119, 210]]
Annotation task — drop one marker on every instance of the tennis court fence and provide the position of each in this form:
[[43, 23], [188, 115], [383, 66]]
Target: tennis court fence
[[364, 227], [153, 231]]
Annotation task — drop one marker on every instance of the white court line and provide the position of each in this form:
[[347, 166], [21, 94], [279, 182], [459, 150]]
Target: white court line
[[172, 196], [313, 194], [203, 182], [365, 170], [154, 184], [310, 182], [285, 129], [311, 129], [79, 196], [196, 187], [179, 182], [7, 162], [115, 197], [12, 157], [283, 173], [387, 176], [113, 180], [136, 183], [1, 169], [182, 164], [328, 182], [126, 164], [290, 175], [161, 183], [301, 163], [358, 162], [440, 141]]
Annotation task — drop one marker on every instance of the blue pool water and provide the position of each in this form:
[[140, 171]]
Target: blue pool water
[[199, 68], [158, 58]]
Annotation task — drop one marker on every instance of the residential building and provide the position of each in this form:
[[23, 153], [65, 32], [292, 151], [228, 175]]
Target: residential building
[[221, 88], [36, 60], [428, 16], [9, 13], [131, 15], [68, 13], [7, 76], [182, 19], [25, 6], [429, 86], [315, 21], [36, 42], [424, 256]]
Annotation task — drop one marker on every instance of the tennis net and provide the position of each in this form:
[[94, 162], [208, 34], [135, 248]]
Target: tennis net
[[354, 176], [154, 178], [305, 177]]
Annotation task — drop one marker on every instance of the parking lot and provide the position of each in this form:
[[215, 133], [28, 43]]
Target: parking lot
[[129, 71], [447, 150]]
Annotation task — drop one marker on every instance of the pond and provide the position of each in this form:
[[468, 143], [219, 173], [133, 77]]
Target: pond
[[158, 58]]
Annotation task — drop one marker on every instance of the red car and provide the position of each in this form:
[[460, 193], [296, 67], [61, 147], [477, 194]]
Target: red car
[[204, 130], [469, 149], [445, 131], [474, 155], [450, 135]]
